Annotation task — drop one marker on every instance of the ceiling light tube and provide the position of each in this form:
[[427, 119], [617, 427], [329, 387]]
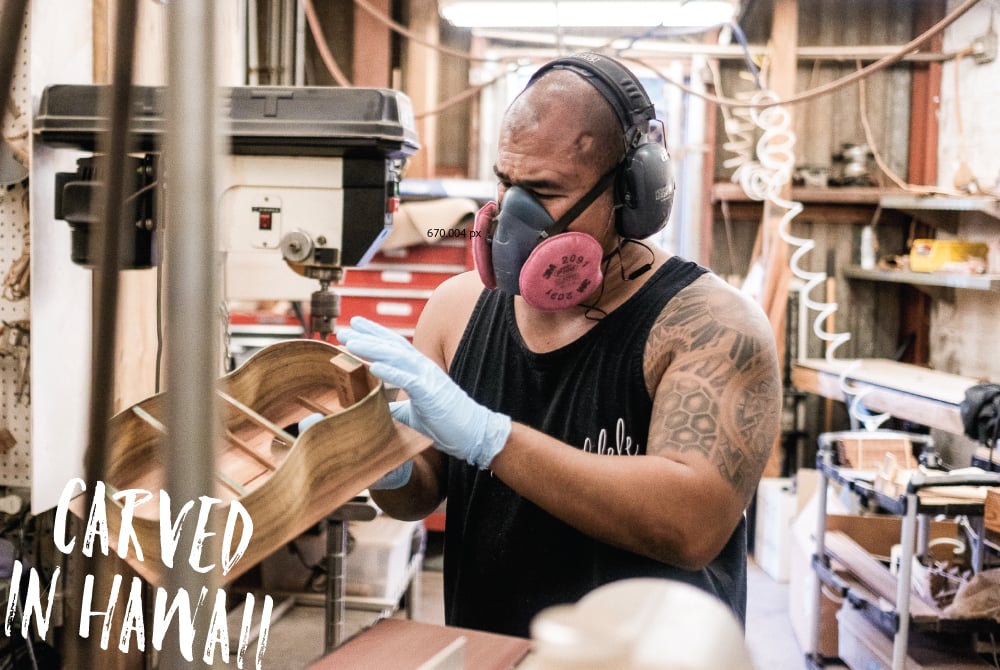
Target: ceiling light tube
[[586, 13]]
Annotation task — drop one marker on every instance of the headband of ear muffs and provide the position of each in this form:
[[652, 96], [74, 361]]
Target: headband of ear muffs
[[519, 249], [645, 185]]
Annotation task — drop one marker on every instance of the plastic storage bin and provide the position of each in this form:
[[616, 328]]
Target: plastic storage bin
[[378, 564]]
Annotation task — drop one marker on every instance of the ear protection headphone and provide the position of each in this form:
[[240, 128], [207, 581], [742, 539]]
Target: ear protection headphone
[[520, 249]]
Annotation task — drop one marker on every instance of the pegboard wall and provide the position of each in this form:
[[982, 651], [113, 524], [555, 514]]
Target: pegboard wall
[[15, 387]]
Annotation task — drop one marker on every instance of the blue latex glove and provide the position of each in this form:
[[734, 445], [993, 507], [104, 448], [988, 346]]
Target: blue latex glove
[[437, 406], [393, 479]]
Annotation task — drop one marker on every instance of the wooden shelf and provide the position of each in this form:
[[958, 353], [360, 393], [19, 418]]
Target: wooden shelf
[[983, 282], [943, 211], [924, 396], [832, 195]]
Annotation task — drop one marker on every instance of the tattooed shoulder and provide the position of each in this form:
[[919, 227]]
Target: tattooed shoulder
[[711, 366]]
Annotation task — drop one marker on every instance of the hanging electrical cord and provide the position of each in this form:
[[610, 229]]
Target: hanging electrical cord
[[400, 29], [747, 57], [324, 50], [834, 85], [464, 95], [737, 124], [880, 160], [341, 79]]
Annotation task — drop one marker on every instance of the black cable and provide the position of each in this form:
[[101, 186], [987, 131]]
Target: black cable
[[747, 57], [599, 313], [642, 269]]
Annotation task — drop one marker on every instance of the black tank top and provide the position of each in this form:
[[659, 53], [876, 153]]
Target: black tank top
[[505, 559]]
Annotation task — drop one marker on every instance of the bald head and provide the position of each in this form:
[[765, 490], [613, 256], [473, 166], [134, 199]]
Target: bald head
[[562, 101]]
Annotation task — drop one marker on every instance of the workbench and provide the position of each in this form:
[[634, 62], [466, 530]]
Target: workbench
[[410, 645], [924, 396]]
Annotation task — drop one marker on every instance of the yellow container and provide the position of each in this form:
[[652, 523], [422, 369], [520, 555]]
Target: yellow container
[[931, 255]]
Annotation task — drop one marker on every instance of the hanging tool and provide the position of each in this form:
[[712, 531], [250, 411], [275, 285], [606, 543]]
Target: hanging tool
[[16, 344]]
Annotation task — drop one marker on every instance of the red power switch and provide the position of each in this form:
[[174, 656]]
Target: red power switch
[[264, 220]]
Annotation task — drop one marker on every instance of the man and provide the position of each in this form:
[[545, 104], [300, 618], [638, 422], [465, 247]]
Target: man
[[616, 433]]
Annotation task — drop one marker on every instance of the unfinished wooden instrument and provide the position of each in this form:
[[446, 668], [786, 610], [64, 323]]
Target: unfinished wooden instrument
[[287, 483]]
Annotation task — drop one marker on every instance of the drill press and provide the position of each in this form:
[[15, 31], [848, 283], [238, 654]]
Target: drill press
[[311, 177], [324, 200]]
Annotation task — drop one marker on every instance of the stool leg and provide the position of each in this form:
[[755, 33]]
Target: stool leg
[[336, 554]]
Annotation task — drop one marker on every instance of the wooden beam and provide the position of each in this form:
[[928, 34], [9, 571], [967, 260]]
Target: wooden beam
[[924, 107], [372, 47], [421, 77], [708, 183], [777, 273], [925, 98], [101, 44]]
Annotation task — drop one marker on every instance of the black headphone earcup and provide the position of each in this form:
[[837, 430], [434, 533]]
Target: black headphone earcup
[[646, 192]]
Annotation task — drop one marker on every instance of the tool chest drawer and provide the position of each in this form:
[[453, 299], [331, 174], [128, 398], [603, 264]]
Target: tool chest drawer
[[448, 255], [392, 278], [394, 287], [399, 310]]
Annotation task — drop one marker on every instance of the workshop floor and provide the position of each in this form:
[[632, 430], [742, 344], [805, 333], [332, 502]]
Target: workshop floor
[[296, 638]]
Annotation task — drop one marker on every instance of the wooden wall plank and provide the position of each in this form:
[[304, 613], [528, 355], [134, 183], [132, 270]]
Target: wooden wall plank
[[421, 75], [777, 274], [372, 47]]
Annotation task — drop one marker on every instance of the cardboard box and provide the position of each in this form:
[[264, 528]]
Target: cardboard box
[[934, 255], [863, 646], [776, 509]]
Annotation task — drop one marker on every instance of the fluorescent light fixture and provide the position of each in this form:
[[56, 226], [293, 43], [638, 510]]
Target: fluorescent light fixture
[[586, 13]]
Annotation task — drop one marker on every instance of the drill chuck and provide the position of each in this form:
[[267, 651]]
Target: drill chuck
[[324, 310]]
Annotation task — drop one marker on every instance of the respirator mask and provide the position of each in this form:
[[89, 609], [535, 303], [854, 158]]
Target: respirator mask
[[521, 250]]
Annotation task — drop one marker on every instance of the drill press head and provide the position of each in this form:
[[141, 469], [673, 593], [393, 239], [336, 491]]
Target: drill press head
[[311, 178], [322, 203]]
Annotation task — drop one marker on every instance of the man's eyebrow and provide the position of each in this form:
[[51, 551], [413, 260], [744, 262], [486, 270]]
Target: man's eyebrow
[[528, 184]]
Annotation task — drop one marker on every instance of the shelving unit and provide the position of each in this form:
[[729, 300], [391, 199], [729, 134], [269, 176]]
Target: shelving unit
[[910, 392], [982, 282], [942, 212], [925, 496]]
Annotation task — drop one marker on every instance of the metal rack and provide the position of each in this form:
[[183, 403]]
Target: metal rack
[[915, 515]]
